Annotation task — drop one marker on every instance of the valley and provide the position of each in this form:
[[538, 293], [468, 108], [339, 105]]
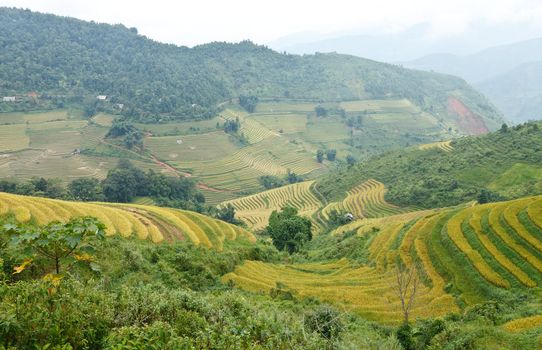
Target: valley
[[228, 196]]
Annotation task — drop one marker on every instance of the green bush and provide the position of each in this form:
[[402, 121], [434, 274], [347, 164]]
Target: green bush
[[324, 320]]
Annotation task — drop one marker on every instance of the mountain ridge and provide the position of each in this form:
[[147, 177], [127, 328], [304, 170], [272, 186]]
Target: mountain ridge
[[67, 61]]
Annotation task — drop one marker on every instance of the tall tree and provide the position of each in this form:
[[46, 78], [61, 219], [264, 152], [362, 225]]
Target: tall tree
[[289, 231]]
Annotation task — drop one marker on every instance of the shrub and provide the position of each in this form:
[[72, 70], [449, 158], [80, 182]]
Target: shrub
[[324, 320]]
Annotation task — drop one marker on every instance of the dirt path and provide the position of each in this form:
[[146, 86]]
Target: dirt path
[[203, 186]]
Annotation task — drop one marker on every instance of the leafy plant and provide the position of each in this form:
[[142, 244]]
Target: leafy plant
[[58, 243]]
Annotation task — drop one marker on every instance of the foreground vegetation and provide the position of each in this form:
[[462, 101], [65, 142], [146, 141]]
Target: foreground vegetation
[[179, 295]]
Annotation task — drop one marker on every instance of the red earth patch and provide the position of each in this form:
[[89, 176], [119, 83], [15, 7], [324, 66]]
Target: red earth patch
[[467, 121]]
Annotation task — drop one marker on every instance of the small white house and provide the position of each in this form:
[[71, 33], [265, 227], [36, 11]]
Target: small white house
[[102, 97], [9, 99], [349, 217]]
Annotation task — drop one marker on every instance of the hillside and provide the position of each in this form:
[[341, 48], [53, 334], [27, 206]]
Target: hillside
[[505, 164], [433, 175], [468, 255], [275, 139], [55, 61], [127, 220]]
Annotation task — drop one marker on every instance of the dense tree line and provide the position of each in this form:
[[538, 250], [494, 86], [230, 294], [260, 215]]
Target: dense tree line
[[232, 126], [131, 137], [270, 181], [248, 103], [68, 61], [122, 184]]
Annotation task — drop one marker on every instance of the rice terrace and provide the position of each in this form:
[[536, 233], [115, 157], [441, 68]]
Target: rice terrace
[[292, 195]]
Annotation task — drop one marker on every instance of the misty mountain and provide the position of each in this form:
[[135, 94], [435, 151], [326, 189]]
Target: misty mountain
[[412, 43], [485, 64], [510, 75], [517, 93]]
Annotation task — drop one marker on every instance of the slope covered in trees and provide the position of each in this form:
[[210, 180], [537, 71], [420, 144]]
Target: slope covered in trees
[[68, 61], [499, 165]]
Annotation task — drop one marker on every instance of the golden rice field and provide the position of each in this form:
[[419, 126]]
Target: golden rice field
[[462, 253], [256, 209], [364, 201], [442, 145], [361, 289], [127, 220], [523, 324]]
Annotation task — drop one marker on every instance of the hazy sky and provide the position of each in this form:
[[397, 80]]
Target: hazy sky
[[200, 21]]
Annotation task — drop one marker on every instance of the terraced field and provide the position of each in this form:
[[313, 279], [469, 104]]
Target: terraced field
[[524, 324], [103, 119], [256, 209], [464, 254], [240, 170], [192, 127], [251, 128], [442, 145], [209, 146], [364, 201], [141, 221], [286, 123], [13, 137], [380, 106], [361, 289], [56, 144]]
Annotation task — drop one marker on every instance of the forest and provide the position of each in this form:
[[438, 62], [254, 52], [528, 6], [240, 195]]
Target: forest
[[52, 62]]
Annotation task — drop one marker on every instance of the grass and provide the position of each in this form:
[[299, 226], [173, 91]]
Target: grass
[[127, 220], [518, 173]]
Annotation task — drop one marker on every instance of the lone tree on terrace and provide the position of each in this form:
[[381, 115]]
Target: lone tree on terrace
[[288, 230]]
